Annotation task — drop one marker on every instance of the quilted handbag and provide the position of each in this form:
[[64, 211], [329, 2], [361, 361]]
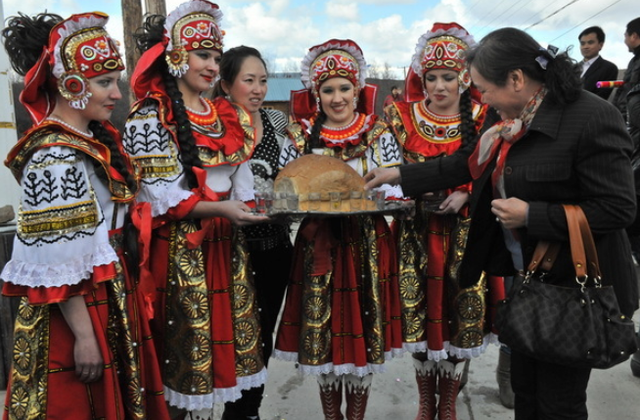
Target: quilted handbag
[[573, 326]]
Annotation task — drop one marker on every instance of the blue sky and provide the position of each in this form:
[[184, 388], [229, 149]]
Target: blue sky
[[386, 30]]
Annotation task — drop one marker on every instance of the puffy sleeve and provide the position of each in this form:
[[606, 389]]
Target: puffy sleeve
[[243, 183], [151, 146], [385, 152], [288, 154], [62, 234]]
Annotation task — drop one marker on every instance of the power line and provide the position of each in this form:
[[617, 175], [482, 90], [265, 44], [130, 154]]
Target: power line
[[552, 14], [503, 12], [589, 18]]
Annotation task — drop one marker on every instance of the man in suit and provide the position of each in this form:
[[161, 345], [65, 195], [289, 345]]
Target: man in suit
[[594, 67]]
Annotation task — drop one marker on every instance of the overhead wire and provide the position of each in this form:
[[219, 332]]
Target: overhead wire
[[586, 20], [552, 14]]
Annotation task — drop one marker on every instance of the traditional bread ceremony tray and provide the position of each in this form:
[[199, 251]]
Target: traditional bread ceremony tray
[[389, 208]]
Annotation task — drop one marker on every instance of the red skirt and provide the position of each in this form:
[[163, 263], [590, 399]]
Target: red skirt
[[342, 312], [206, 316], [439, 317], [43, 383]]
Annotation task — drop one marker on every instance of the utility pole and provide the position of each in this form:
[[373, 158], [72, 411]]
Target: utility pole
[[155, 7], [131, 21]]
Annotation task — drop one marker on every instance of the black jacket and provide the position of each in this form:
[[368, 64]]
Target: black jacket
[[578, 154], [600, 70]]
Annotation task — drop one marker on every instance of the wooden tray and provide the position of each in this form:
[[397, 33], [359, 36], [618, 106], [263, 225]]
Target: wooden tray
[[390, 207]]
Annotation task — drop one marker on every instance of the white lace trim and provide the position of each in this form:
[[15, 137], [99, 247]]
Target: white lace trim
[[219, 395], [416, 60], [343, 369], [183, 10], [449, 350], [252, 381], [67, 273], [311, 56], [242, 194], [171, 199]]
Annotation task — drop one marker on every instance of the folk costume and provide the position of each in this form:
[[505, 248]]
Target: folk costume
[[341, 315], [69, 243], [270, 251], [206, 314], [440, 318]]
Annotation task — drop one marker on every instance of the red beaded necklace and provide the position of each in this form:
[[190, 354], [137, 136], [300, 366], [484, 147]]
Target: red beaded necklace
[[206, 118], [345, 132]]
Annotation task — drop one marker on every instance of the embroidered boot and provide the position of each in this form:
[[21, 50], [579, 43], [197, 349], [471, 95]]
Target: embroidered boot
[[449, 375], [331, 396], [426, 374], [503, 377], [357, 392]]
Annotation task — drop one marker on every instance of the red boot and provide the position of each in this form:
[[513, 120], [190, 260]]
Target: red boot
[[449, 375], [331, 396], [426, 374], [357, 392]]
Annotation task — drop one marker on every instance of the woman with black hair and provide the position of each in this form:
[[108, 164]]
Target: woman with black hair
[[341, 316], [82, 325], [194, 154], [441, 117], [556, 144], [243, 80]]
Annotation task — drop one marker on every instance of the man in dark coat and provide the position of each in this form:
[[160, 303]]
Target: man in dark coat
[[593, 67]]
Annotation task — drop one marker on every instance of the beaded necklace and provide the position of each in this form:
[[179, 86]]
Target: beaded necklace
[[206, 117], [70, 127], [437, 127], [344, 132]]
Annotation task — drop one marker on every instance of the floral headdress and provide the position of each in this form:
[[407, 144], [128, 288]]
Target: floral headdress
[[79, 49], [443, 47], [334, 58], [191, 26]]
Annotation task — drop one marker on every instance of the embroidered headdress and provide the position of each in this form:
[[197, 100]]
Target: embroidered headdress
[[193, 25], [79, 49], [443, 47], [334, 58]]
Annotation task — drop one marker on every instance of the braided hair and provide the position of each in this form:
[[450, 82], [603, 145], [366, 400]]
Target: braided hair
[[468, 129], [150, 34], [314, 141]]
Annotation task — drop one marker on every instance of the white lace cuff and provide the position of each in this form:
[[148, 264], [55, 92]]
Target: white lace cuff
[[66, 273]]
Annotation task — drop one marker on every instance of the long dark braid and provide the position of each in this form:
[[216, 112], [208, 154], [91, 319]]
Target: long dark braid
[[129, 232], [151, 33], [101, 134], [188, 149], [314, 141], [467, 125]]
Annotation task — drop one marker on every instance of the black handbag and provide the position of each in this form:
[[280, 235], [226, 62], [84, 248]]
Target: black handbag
[[573, 326]]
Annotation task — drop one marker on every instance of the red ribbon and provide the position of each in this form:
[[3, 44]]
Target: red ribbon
[[143, 221], [196, 238]]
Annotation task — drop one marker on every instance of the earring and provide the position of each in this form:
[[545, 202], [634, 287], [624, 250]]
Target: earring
[[425, 93], [177, 61], [74, 87], [318, 104], [213, 83], [355, 101]]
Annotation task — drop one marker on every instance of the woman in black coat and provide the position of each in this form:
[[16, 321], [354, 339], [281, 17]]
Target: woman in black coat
[[556, 144]]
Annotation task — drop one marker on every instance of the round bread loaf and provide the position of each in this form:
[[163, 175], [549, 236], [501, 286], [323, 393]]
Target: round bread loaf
[[321, 174]]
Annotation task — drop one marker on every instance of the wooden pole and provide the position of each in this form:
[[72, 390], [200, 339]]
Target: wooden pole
[[155, 7]]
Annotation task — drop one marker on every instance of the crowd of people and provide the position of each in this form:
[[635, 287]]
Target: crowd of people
[[150, 289]]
